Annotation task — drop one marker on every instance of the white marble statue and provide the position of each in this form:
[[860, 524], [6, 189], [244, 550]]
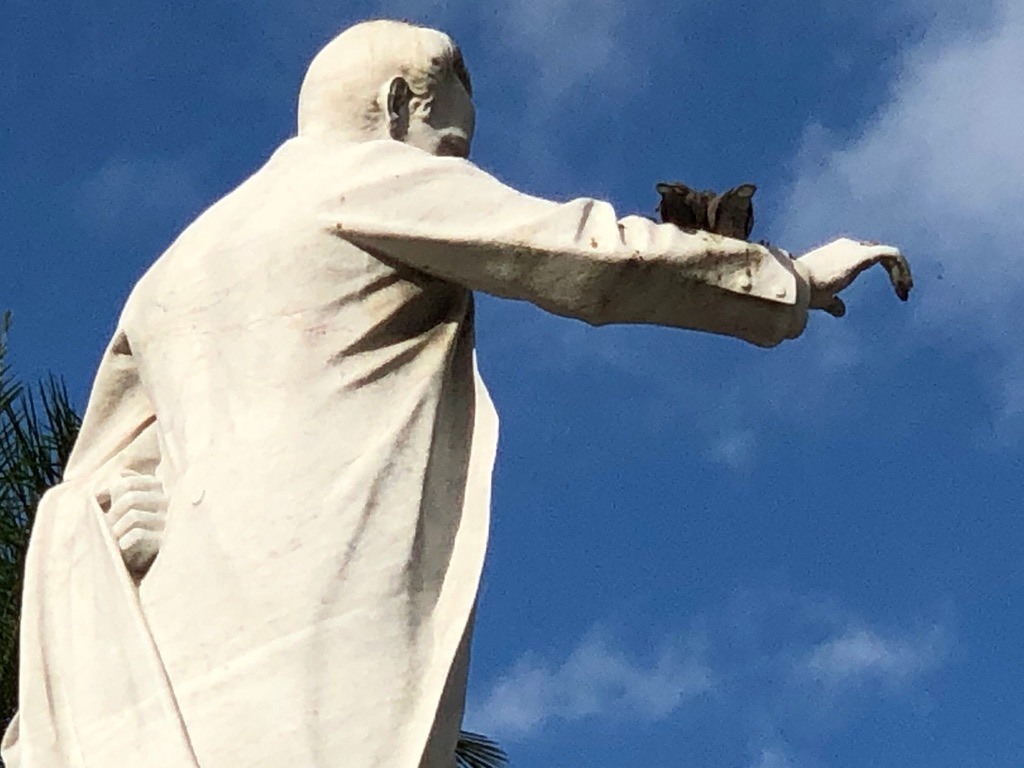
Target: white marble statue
[[297, 372]]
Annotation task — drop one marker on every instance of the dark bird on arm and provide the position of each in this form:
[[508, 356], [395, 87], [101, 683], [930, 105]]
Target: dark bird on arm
[[732, 213], [686, 208]]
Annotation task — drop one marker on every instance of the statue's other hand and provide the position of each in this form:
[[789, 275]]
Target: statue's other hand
[[136, 516], [832, 268]]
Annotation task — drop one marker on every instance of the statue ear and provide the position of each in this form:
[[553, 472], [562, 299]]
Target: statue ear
[[399, 95]]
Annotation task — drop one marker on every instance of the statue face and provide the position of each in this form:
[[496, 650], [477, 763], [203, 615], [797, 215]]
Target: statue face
[[446, 128], [386, 78]]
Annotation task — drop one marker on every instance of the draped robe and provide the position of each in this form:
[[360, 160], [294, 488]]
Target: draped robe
[[300, 365]]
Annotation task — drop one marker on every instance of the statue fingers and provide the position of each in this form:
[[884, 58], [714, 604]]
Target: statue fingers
[[139, 538], [137, 522], [895, 264], [135, 491], [899, 275], [143, 501], [129, 482], [132, 481], [833, 267], [875, 248]]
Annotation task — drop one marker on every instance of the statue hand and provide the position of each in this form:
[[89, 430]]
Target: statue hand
[[833, 267], [136, 515]]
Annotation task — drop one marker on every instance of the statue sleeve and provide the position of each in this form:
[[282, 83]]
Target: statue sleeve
[[448, 218], [118, 431]]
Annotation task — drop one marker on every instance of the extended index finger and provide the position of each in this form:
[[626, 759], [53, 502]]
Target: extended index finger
[[881, 250], [899, 275], [895, 264]]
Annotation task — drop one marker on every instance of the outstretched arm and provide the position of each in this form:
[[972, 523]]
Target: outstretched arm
[[448, 218]]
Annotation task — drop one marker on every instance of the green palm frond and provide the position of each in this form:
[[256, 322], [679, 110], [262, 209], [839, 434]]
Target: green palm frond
[[476, 751], [10, 389], [38, 429]]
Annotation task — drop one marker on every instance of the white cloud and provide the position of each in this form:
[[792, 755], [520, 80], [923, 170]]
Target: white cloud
[[938, 170], [556, 59], [735, 449], [548, 46], [595, 680], [783, 673], [861, 654], [773, 757], [127, 193]]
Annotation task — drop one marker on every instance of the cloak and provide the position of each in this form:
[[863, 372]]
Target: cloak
[[300, 363]]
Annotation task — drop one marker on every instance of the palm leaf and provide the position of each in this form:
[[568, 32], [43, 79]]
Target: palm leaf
[[476, 751], [37, 432]]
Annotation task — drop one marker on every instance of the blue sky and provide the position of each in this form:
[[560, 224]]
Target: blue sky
[[703, 554]]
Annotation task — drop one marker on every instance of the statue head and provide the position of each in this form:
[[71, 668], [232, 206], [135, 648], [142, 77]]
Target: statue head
[[382, 79]]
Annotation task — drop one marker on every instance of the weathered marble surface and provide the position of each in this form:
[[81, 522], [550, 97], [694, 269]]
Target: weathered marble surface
[[297, 373]]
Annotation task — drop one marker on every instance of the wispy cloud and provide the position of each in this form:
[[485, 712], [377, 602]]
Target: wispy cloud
[[861, 654], [537, 51], [736, 449], [551, 45], [127, 194], [783, 671], [594, 681], [570, 58], [938, 170], [556, 59], [773, 757]]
